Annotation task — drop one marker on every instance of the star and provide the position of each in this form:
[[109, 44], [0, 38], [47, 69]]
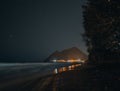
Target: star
[[11, 36]]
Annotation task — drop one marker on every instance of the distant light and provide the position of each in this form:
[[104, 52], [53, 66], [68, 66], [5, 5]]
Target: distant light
[[76, 60], [56, 71], [54, 60], [69, 67], [108, 0]]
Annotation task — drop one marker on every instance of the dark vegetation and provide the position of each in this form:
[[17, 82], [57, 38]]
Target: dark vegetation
[[102, 30]]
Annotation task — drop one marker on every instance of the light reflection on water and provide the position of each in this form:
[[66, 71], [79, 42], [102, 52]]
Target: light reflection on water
[[58, 84], [68, 68]]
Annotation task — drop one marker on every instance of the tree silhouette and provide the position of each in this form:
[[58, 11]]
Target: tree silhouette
[[102, 29]]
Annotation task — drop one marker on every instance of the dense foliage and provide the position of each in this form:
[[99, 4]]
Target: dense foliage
[[102, 29]]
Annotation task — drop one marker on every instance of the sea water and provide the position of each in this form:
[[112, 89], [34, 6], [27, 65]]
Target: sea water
[[15, 70]]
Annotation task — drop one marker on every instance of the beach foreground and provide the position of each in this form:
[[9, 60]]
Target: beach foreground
[[103, 77]]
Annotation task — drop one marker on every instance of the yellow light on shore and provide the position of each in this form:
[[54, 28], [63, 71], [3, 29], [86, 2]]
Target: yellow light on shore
[[70, 60], [67, 68], [56, 71]]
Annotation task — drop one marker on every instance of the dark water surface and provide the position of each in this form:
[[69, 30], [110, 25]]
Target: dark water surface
[[12, 74], [15, 70]]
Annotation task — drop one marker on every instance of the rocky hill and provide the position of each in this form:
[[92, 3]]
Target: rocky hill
[[67, 54]]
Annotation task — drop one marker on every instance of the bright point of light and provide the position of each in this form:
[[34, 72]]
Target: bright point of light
[[56, 71], [76, 60], [54, 60], [69, 67]]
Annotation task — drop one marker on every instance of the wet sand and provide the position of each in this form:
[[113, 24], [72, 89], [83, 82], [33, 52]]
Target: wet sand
[[26, 84]]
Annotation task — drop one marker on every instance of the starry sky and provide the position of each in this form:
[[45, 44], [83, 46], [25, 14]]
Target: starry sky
[[37, 28]]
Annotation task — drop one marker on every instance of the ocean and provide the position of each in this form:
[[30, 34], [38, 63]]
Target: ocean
[[9, 71]]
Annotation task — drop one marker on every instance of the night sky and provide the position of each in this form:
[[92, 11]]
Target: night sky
[[36, 28]]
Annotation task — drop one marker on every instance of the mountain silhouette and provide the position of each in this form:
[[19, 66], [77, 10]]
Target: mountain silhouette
[[67, 54]]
